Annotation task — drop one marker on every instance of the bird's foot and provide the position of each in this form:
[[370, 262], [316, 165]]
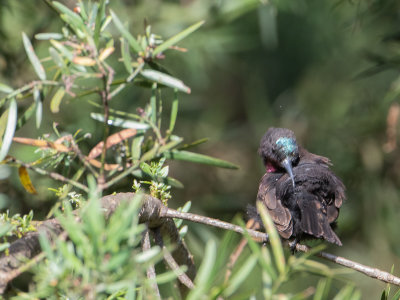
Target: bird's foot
[[292, 246]]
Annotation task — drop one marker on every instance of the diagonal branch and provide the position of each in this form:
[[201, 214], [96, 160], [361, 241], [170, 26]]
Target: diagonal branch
[[171, 213], [151, 271], [182, 277], [369, 271]]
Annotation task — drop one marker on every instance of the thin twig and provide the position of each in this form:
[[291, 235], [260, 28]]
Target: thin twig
[[151, 271], [25, 88], [118, 177], [170, 213], [52, 175], [7, 277], [369, 271], [83, 158], [129, 79], [182, 277], [106, 129]]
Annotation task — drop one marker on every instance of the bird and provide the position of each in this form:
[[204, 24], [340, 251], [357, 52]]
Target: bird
[[301, 193]]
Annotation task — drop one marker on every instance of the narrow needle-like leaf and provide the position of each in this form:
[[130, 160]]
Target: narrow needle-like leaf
[[10, 129], [33, 58], [125, 33], [176, 38]]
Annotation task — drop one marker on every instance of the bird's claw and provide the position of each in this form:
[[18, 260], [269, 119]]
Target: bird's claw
[[292, 246]]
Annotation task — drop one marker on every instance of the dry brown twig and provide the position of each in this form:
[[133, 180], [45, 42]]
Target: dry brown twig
[[159, 220], [151, 271]]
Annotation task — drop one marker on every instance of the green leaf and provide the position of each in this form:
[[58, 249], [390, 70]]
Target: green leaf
[[56, 100], [266, 285], [176, 38], [83, 11], [46, 246], [125, 33], [56, 57], [139, 174], [73, 228], [345, 293], [10, 129], [126, 56], [3, 124], [397, 295], [99, 18], [37, 96], [147, 255], [193, 144], [174, 112], [49, 36], [145, 168], [64, 50], [136, 148], [165, 79], [205, 271], [241, 275], [72, 19], [107, 21], [117, 260], [26, 116], [120, 122], [174, 141], [5, 88], [4, 246], [68, 252], [94, 224], [322, 289], [37, 66], [274, 238], [183, 231], [199, 158], [170, 275], [153, 103], [5, 228]]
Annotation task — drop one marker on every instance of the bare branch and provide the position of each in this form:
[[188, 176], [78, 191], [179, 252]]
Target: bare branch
[[52, 175], [151, 271], [369, 271], [183, 278], [170, 213]]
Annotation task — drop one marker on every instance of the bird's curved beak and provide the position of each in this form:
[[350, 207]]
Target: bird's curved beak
[[287, 164]]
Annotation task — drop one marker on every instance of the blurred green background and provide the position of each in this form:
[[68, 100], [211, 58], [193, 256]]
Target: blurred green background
[[328, 70]]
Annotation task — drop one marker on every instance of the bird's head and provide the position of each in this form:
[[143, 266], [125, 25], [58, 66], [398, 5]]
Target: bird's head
[[279, 150]]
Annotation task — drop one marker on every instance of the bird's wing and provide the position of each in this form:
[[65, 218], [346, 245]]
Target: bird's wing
[[308, 157], [314, 220], [320, 180], [279, 214], [334, 207]]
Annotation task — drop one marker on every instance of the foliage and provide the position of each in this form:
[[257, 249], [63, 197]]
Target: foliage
[[16, 225], [78, 63]]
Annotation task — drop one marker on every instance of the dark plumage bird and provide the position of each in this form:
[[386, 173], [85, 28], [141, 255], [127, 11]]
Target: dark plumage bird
[[302, 195]]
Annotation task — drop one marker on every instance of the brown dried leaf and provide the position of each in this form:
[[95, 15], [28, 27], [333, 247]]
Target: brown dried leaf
[[84, 61], [41, 144], [107, 167], [111, 141]]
